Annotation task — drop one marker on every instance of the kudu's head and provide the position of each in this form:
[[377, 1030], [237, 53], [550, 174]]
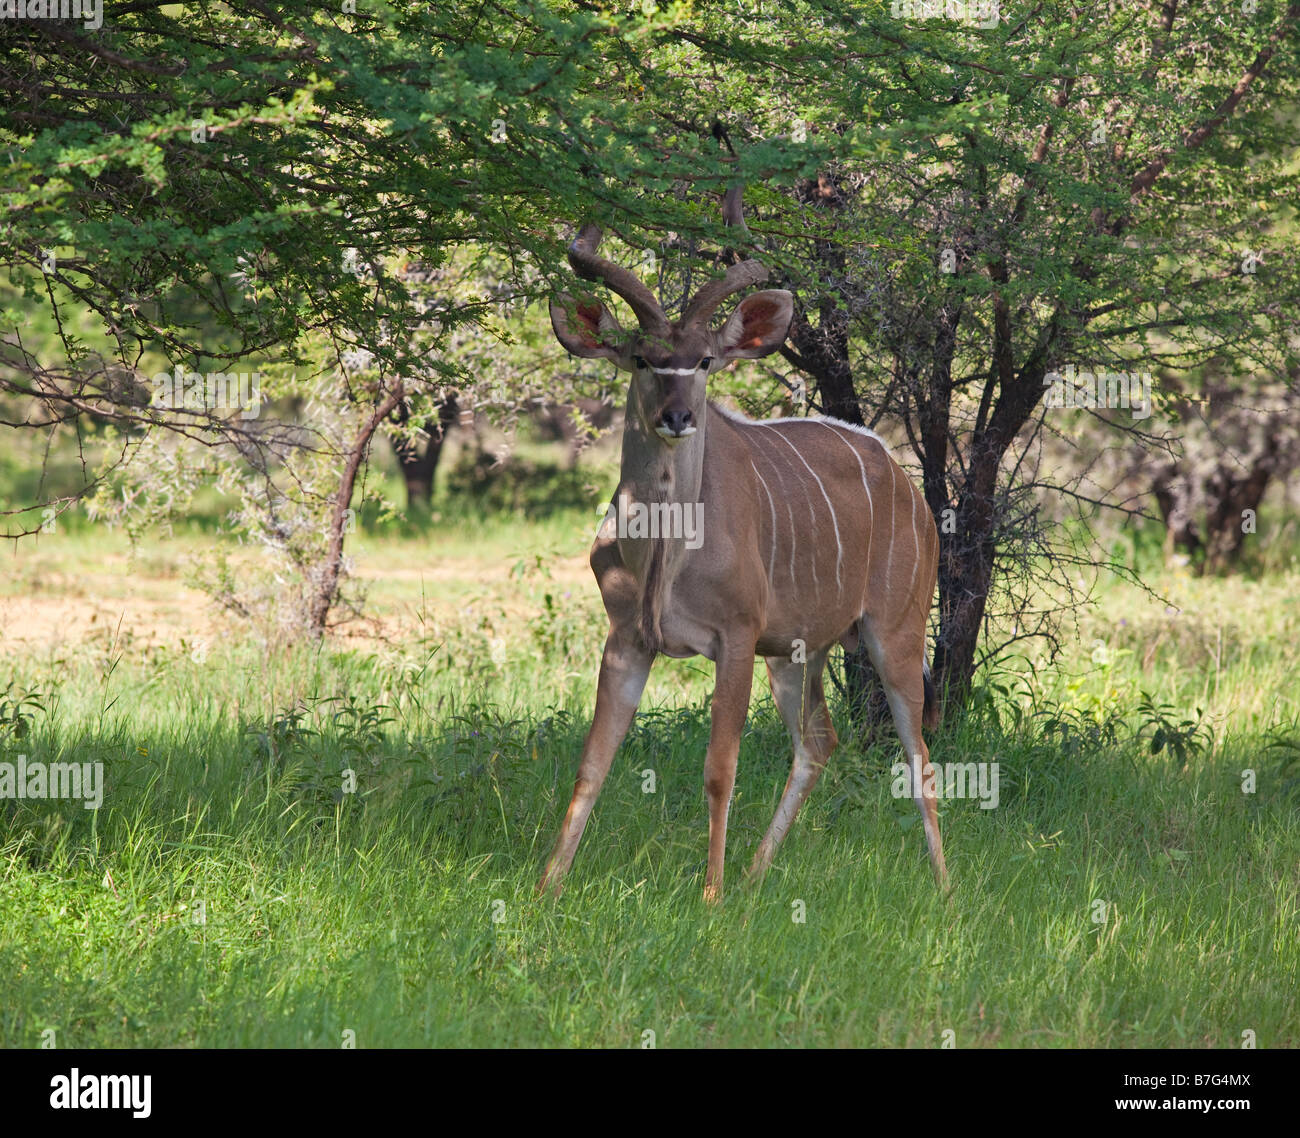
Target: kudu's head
[[670, 361]]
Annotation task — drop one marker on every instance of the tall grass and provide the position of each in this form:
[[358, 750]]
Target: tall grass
[[232, 891]]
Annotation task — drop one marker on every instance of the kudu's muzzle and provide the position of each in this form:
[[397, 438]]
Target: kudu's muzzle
[[676, 420]]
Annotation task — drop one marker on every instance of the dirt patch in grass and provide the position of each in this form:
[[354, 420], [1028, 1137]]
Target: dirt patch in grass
[[114, 602]]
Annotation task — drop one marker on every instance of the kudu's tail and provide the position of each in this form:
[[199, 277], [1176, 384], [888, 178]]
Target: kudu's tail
[[930, 712]]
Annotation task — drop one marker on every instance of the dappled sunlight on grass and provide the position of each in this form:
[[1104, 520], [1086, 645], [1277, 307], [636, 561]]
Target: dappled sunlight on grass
[[301, 842]]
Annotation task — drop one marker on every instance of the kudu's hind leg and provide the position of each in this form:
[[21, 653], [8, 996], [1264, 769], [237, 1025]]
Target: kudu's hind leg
[[899, 666], [623, 671], [801, 700]]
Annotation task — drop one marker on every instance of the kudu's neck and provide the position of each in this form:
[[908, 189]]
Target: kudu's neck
[[662, 484], [655, 471]]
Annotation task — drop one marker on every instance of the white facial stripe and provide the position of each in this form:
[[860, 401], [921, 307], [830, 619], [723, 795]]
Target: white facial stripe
[[674, 370]]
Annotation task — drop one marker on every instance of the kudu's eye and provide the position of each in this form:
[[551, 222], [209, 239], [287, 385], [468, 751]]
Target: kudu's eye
[[640, 363], [706, 362]]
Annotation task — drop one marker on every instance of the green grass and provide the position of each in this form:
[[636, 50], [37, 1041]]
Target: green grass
[[228, 893]]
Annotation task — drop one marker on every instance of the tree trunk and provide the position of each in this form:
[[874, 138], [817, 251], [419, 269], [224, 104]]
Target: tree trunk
[[1223, 500], [420, 465], [823, 352], [1233, 493], [1176, 508], [325, 580]]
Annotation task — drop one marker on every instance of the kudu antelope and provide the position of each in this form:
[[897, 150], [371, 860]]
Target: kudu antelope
[[811, 534]]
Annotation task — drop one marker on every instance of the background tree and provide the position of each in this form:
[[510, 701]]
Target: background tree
[[1010, 201], [197, 187], [963, 211]]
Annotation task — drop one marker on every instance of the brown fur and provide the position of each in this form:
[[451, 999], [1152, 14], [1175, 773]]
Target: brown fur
[[652, 599]]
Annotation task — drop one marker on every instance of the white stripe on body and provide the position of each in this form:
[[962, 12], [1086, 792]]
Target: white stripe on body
[[893, 510], [788, 509], [916, 540], [735, 417], [871, 506], [836, 425], [839, 547], [771, 557], [793, 531]]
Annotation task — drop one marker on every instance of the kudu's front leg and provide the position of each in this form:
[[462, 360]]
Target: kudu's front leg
[[735, 677], [623, 671]]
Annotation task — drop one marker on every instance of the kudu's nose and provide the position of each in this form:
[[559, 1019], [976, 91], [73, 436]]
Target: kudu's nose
[[677, 420]]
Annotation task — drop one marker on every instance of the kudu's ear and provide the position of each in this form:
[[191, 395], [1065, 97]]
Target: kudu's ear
[[758, 326], [587, 328]]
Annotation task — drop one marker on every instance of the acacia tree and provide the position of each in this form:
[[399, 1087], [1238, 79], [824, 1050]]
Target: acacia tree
[[192, 188], [1078, 189], [1074, 188], [973, 208]]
